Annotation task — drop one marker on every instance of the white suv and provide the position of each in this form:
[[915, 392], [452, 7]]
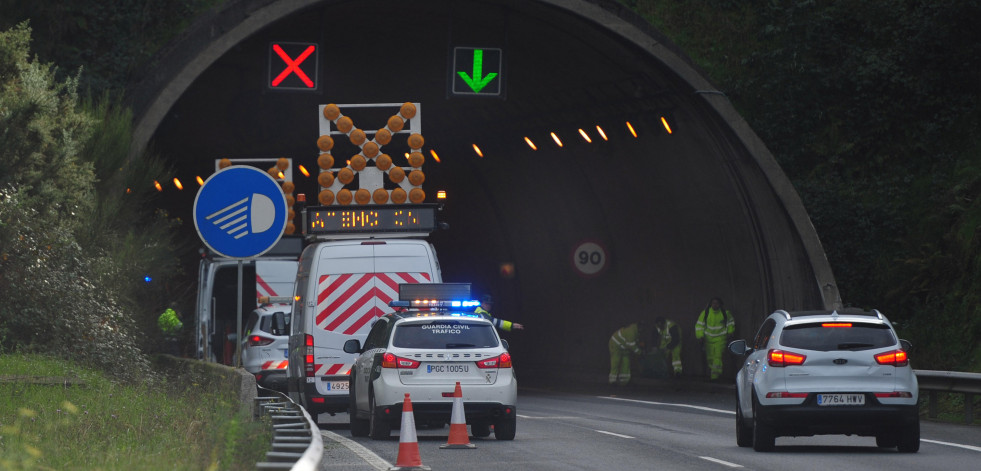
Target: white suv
[[425, 353], [266, 343], [826, 372]]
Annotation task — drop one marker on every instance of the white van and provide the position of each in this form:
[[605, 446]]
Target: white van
[[216, 310], [342, 286]]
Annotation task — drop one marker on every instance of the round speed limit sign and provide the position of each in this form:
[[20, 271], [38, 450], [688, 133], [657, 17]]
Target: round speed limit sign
[[589, 258]]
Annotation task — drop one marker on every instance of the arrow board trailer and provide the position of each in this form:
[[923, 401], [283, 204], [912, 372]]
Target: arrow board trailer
[[348, 274], [272, 274]]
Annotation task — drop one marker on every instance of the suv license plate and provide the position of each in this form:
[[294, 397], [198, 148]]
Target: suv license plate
[[841, 399], [337, 386]]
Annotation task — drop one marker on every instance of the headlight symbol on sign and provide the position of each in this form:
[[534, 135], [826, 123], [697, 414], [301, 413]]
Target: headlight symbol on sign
[[236, 219]]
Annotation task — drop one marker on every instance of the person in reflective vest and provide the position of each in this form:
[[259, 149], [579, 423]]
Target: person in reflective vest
[[486, 303], [624, 343], [169, 323], [714, 327], [669, 336], [170, 326]]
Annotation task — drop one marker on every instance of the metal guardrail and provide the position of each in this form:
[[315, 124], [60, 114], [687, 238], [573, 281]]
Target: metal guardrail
[[935, 382], [296, 444]]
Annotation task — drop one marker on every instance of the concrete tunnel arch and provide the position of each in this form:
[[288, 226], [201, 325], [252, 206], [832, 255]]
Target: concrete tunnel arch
[[742, 233]]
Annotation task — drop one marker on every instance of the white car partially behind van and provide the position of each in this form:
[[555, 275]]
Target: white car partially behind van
[[342, 286]]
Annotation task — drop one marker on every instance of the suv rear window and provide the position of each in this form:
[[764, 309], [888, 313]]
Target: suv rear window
[[818, 336], [444, 334]]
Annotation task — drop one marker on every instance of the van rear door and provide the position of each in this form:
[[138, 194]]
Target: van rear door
[[354, 287], [274, 278]]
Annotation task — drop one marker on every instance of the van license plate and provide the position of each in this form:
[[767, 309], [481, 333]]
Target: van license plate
[[337, 386], [841, 399]]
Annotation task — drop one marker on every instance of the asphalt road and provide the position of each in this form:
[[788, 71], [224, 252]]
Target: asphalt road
[[658, 425]]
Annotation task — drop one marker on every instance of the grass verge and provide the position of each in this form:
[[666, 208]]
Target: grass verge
[[58, 415]]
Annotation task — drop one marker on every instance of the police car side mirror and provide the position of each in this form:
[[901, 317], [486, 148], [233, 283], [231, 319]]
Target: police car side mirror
[[279, 323], [352, 346], [506, 346], [739, 347], [906, 344]]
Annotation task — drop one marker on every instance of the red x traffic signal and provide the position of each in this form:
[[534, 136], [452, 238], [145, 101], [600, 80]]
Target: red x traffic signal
[[293, 66]]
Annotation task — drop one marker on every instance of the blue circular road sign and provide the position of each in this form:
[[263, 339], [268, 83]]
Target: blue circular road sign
[[240, 212]]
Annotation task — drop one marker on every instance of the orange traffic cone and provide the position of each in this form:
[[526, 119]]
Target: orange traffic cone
[[458, 423], [408, 442]]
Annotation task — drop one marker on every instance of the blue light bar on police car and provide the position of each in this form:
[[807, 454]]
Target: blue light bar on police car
[[468, 304]]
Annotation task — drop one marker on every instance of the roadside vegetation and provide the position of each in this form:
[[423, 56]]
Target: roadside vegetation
[[78, 387], [872, 110], [56, 414]]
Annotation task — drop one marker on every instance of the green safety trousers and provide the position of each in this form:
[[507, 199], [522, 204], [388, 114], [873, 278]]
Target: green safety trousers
[[675, 356], [619, 365], [623, 343], [714, 348]]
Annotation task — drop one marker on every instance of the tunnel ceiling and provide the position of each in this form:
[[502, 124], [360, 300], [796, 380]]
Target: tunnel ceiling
[[682, 216]]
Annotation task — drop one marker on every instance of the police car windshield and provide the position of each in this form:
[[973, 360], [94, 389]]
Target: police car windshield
[[445, 334]]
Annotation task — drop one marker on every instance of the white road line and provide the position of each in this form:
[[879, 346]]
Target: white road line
[[724, 463], [614, 434], [549, 418], [709, 409], [935, 442], [957, 445], [367, 455]]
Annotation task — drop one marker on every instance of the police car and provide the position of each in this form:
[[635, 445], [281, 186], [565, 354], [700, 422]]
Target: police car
[[826, 372], [266, 342], [432, 342]]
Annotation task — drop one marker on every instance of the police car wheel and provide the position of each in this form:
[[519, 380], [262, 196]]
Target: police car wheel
[[359, 426], [505, 428], [378, 428]]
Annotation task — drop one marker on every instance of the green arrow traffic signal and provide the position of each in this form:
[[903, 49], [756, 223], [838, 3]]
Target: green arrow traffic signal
[[477, 81]]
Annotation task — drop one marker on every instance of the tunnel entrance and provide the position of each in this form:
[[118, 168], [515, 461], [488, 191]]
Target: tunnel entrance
[[643, 193]]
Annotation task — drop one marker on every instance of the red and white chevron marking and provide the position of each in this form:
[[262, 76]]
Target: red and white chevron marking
[[275, 365], [262, 288], [347, 303]]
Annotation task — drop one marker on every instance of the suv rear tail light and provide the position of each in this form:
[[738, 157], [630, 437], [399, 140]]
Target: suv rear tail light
[[389, 360], [784, 358], [256, 341], [902, 394], [894, 358], [501, 361], [785, 395], [311, 369]]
